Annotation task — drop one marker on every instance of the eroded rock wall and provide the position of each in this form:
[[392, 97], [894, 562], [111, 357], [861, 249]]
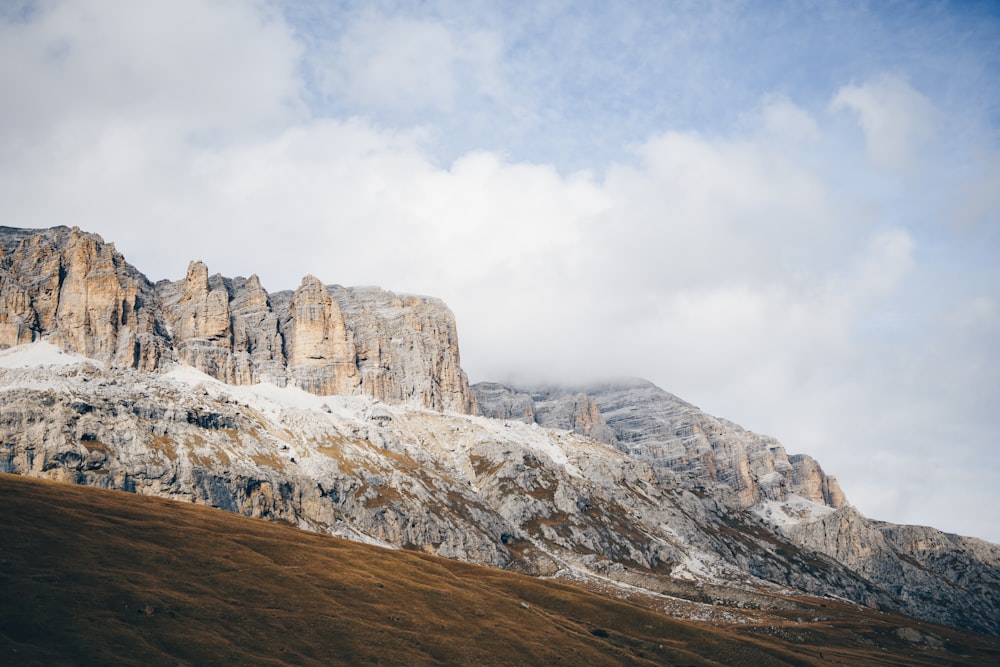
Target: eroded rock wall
[[80, 293], [644, 421]]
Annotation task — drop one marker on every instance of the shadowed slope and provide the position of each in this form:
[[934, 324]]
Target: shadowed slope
[[98, 577]]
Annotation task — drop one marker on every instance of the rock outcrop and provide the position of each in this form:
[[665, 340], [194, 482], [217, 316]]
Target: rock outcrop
[[225, 328], [406, 348], [652, 425], [318, 346], [919, 562], [80, 293]]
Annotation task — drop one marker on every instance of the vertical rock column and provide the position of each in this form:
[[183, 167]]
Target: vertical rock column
[[318, 346], [257, 343], [199, 322], [18, 320], [810, 482]]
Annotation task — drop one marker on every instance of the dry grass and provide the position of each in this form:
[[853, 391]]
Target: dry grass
[[100, 577]]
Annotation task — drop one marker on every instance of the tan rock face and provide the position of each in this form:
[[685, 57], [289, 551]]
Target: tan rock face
[[812, 484], [78, 291], [202, 312], [19, 323], [406, 348], [224, 328], [198, 320], [319, 348]]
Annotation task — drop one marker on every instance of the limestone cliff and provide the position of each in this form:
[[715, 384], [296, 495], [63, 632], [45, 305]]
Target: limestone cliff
[[79, 292], [406, 348], [918, 560], [318, 346], [644, 421]]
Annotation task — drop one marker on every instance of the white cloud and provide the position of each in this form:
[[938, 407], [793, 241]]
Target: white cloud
[[188, 67], [897, 120], [391, 63], [782, 118], [978, 199]]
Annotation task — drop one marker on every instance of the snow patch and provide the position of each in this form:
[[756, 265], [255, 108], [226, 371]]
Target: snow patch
[[541, 440], [39, 353], [267, 397], [698, 566], [793, 511]]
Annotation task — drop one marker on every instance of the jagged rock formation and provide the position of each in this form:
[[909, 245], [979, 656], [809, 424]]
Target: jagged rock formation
[[81, 294], [319, 348], [405, 347], [650, 424], [920, 562], [498, 401]]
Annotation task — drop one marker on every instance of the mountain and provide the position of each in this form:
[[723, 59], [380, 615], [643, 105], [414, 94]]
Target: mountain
[[791, 494], [345, 411]]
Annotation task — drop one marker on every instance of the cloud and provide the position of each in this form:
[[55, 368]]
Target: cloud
[[978, 199], [897, 120], [405, 65], [782, 118], [193, 68]]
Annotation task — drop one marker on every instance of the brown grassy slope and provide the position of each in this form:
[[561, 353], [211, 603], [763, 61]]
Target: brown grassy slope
[[98, 577]]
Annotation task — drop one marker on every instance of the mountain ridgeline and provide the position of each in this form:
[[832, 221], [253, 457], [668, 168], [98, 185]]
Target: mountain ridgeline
[[78, 292], [346, 411]]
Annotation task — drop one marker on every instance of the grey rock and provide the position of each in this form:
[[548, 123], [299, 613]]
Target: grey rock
[[655, 426], [934, 575]]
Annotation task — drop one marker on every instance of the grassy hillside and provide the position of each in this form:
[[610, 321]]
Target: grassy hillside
[[98, 577]]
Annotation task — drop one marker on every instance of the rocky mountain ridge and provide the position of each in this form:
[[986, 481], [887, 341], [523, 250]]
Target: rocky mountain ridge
[[647, 423], [79, 292], [213, 391]]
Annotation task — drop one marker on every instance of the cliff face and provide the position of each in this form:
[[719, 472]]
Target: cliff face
[[318, 346], [81, 294], [918, 560], [652, 425]]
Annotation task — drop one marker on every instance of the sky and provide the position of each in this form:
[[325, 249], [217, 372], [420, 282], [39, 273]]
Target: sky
[[786, 213]]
